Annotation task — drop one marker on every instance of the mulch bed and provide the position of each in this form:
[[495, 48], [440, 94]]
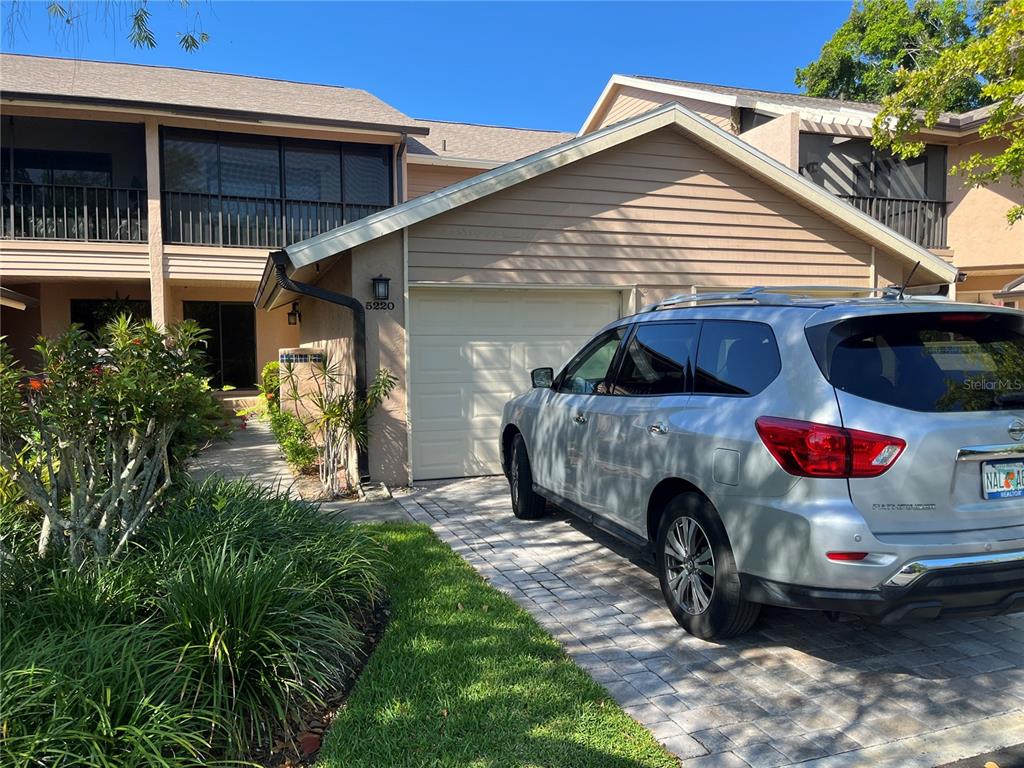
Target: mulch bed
[[300, 745]]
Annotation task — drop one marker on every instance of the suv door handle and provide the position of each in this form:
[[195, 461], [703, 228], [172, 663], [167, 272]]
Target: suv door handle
[[579, 418], [657, 429]]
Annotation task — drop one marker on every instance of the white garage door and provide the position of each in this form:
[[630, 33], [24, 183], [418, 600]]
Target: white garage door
[[470, 350]]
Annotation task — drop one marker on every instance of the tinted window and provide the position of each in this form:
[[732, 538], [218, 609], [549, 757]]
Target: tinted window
[[970, 361], [736, 358], [658, 360], [588, 372]]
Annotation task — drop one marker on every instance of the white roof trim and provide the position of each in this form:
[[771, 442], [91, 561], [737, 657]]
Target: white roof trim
[[736, 150], [456, 162]]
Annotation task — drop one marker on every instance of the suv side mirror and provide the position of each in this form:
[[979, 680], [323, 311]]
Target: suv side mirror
[[542, 378]]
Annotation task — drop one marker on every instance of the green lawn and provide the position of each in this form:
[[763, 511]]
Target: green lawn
[[464, 677]]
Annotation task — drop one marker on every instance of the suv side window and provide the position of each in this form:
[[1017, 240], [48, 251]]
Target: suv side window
[[658, 360], [736, 358], [587, 373]]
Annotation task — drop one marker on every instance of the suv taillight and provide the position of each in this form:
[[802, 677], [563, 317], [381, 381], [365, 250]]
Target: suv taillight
[[807, 449]]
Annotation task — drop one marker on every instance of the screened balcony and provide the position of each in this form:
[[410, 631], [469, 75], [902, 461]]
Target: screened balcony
[[908, 196], [73, 180], [226, 189]]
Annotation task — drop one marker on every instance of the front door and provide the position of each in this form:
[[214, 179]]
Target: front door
[[231, 344]]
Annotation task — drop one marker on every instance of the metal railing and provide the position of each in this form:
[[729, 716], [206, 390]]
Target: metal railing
[[923, 221], [193, 218], [60, 212]]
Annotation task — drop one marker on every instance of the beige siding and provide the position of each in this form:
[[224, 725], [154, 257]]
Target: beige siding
[[423, 179], [629, 102], [977, 228], [213, 263], [658, 212], [52, 260]]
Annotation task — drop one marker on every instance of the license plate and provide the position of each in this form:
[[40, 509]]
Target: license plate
[[1002, 479]]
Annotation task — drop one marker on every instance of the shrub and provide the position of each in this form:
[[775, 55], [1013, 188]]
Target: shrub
[[295, 440], [235, 609], [270, 385], [90, 439]]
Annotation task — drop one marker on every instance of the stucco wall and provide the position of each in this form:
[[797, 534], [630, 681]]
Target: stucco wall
[[977, 228], [330, 327], [657, 212], [55, 300], [779, 139]]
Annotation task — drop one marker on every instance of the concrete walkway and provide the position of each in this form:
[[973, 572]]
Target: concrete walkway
[[253, 453]]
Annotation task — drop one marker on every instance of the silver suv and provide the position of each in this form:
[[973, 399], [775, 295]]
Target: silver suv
[[849, 455]]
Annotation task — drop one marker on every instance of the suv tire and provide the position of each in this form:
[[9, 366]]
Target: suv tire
[[527, 504], [697, 571]]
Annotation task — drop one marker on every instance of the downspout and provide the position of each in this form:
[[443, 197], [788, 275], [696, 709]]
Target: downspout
[[358, 330], [399, 172]]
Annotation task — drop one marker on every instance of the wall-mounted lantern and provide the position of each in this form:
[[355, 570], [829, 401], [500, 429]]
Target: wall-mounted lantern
[[294, 317], [381, 289]]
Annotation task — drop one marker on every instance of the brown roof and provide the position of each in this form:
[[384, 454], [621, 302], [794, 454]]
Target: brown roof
[[493, 143], [196, 92], [797, 100]]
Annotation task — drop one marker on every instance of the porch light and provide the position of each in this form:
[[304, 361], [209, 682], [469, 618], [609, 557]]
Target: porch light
[[294, 317], [381, 291]]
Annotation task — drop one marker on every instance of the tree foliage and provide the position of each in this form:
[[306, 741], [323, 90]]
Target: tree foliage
[[864, 59], [995, 60], [70, 18]]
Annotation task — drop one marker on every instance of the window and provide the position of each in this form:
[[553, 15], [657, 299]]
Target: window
[[587, 374], [931, 362], [658, 360], [93, 314], [736, 358]]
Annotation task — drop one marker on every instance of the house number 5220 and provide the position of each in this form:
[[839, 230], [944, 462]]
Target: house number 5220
[[380, 305]]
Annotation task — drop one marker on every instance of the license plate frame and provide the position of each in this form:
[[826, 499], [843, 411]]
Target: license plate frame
[[1002, 479]]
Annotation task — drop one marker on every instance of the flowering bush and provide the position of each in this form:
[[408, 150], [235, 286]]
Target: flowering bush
[[90, 438]]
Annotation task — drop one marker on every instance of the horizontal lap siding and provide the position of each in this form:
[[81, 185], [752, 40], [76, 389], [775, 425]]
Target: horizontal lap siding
[[424, 179], [630, 102], [658, 211], [215, 266], [97, 261]]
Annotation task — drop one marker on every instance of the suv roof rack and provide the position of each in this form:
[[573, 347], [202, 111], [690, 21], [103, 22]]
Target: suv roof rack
[[776, 295]]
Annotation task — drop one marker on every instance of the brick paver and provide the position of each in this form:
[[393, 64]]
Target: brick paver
[[797, 689]]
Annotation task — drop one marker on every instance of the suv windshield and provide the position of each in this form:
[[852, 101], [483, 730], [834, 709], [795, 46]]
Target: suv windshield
[[933, 361]]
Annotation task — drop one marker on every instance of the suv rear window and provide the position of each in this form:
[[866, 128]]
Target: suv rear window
[[933, 361]]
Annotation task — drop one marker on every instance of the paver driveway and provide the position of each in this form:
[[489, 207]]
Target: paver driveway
[[798, 689]]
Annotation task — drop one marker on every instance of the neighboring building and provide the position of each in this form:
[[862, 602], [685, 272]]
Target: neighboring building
[[161, 191], [514, 268], [829, 142]]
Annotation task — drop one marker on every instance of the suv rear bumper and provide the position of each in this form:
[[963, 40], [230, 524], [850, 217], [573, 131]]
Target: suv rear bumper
[[986, 589]]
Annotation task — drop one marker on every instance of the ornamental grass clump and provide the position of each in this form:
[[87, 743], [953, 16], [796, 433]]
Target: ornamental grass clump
[[233, 612]]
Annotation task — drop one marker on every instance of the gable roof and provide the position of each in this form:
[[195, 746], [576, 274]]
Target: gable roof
[[485, 146], [737, 151], [195, 92], [775, 102]]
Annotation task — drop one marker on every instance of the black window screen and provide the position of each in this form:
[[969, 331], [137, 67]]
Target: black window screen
[[312, 172], [658, 360], [250, 168], [736, 358], [366, 175]]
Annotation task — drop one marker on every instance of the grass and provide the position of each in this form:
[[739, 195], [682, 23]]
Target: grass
[[235, 613], [464, 677]]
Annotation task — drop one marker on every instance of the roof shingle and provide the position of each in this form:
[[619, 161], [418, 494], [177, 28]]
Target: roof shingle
[[469, 141], [195, 91]]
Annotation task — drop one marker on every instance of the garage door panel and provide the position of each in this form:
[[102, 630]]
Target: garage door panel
[[471, 350]]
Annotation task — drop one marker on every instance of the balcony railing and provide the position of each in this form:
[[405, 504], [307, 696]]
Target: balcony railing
[[56, 212], [923, 221], [192, 218]]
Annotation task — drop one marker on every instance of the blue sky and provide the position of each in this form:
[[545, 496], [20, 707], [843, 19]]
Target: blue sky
[[529, 64]]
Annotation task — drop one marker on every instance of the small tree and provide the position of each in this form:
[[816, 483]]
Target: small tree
[[338, 418], [89, 438]]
